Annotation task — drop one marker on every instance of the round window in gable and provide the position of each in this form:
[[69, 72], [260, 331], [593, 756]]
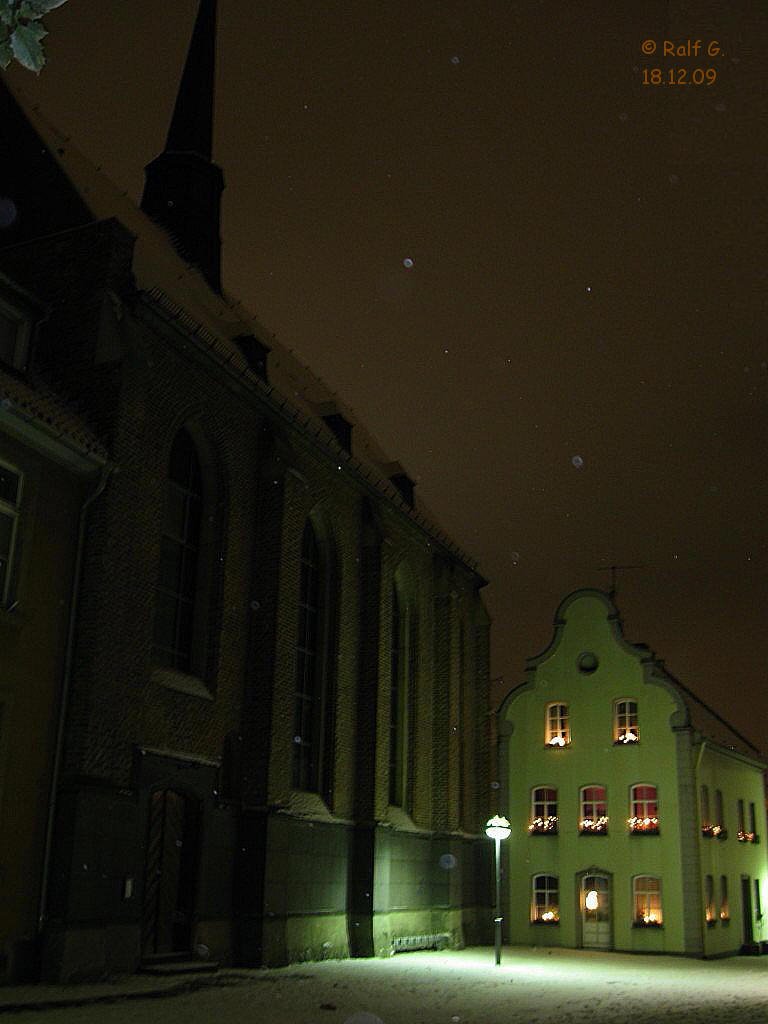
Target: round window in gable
[[587, 662]]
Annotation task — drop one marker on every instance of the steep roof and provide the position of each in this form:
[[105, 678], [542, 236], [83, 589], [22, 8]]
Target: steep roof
[[37, 405], [180, 290]]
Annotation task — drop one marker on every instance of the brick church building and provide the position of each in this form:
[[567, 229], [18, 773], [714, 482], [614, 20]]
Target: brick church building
[[243, 678]]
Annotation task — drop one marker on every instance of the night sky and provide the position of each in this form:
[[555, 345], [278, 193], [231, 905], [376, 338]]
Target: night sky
[[574, 368]]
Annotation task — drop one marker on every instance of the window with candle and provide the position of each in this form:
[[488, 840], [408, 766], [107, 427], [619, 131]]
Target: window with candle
[[557, 727], [625, 722], [543, 811], [545, 900], [594, 811], [647, 900], [644, 810]]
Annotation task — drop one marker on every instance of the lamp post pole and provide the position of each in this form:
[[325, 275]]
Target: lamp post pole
[[497, 922], [497, 829]]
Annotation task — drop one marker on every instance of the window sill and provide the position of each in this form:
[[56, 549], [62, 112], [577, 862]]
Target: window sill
[[647, 925], [545, 924], [644, 831], [712, 923], [192, 686]]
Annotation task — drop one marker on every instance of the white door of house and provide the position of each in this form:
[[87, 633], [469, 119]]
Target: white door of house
[[595, 900]]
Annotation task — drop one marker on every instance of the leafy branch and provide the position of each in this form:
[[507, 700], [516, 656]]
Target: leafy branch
[[22, 31]]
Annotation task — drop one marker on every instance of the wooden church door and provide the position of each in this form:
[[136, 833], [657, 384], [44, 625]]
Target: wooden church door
[[170, 873]]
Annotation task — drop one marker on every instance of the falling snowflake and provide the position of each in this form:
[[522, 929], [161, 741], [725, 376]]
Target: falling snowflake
[[577, 461], [447, 861], [407, 262]]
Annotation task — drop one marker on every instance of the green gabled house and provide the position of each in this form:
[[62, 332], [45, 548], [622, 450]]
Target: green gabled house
[[638, 814]]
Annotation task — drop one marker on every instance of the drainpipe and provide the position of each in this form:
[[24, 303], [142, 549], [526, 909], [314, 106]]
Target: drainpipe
[[65, 688], [698, 843]]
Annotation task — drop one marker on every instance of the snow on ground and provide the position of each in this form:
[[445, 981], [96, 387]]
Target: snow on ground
[[532, 986]]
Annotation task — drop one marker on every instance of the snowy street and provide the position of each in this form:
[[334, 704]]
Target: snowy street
[[465, 987]]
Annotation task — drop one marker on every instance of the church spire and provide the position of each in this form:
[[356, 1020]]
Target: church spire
[[191, 128], [183, 186]]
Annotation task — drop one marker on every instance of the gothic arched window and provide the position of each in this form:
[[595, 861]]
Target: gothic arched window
[[177, 584], [402, 694], [314, 718]]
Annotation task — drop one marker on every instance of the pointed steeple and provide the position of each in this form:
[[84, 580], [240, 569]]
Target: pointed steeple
[[191, 128], [183, 186]]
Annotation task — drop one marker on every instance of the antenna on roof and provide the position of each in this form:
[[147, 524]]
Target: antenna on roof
[[613, 569]]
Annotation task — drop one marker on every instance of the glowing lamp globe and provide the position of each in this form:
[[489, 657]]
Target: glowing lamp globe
[[592, 901], [497, 828]]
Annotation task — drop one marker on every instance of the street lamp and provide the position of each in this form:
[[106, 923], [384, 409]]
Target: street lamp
[[497, 829]]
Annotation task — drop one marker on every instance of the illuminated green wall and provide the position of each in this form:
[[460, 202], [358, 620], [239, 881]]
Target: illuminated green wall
[[665, 756]]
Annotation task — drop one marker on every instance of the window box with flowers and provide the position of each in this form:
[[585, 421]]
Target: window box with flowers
[[748, 837], [643, 826], [544, 826]]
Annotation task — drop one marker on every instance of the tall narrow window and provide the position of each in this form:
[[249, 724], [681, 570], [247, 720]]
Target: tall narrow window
[[10, 499], [742, 819], [718, 825], [543, 811], [545, 900], [179, 556], [647, 898], [594, 811], [758, 901], [752, 822], [625, 722], [644, 810], [709, 899], [557, 728], [706, 817], [725, 913], [315, 681], [402, 693]]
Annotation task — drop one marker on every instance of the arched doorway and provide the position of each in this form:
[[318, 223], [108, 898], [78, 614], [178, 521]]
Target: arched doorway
[[170, 873], [595, 910]]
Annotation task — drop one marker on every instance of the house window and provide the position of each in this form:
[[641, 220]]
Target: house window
[[14, 336], [706, 817], [543, 811], [402, 704], [758, 902], [709, 900], [315, 681], [647, 899], [725, 913], [179, 555], [718, 826], [625, 722], [10, 500], [643, 803], [545, 901], [594, 811], [558, 733]]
